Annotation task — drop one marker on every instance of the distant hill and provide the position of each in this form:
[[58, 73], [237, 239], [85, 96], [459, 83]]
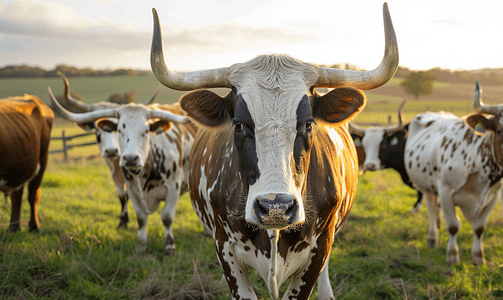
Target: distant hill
[[487, 76], [26, 71]]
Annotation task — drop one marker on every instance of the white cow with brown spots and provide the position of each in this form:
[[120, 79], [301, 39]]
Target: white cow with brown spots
[[457, 162], [108, 143], [154, 157]]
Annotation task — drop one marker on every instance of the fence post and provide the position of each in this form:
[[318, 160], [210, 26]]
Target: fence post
[[389, 119], [63, 138]]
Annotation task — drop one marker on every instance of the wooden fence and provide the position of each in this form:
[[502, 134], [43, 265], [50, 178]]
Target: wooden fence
[[66, 146]]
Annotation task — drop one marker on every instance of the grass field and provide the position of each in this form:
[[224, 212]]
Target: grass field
[[381, 252]]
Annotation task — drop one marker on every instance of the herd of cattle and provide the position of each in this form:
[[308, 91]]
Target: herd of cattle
[[272, 167]]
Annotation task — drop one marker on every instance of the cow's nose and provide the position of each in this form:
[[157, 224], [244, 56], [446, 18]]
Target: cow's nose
[[111, 152], [276, 210], [131, 160], [369, 167]]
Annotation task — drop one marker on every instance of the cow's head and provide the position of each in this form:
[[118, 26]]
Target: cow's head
[[275, 114], [479, 122], [106, 138], [380, 145], [134, 125]]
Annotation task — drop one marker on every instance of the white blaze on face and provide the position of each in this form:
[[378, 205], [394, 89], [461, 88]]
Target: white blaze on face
[[275, 118], [371, 143], [134, 135], [108, 141]]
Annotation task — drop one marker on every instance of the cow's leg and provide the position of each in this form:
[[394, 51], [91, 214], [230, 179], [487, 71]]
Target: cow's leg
[[478, 226], [16, 198], [124, 218], [142, 217], [452, 224], [34, 199], [237, 276], [120, 187], [432, 205], [167, 217], [324, 286], [417, 205]]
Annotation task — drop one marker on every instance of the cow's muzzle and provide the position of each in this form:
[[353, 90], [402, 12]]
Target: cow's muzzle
[[131, 161], [111, 152], [277, 211]]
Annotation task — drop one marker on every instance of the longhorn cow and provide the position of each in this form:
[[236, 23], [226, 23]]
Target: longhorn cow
[[383, 147], [273, 169], [458, 162], [108, 144], [154, 157], [25, 133]]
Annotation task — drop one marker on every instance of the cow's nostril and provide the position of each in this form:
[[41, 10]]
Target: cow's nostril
[[262, 208]]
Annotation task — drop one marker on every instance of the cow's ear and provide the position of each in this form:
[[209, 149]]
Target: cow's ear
[[106, 125], [207, 108], [160, 126], [339, 105], [87, 126], [479, 123]]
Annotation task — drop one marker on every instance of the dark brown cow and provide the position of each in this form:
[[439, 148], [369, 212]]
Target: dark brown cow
[[273, 171], [25, 132]]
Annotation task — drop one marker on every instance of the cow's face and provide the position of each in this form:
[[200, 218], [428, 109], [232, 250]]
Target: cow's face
[[392, 148], [275, 116], [106, 138], [481, 125], [133, 131], [371, 142]]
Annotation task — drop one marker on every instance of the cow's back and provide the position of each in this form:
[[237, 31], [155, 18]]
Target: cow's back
[[25, 128]]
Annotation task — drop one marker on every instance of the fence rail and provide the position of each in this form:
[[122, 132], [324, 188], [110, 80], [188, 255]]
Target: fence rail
[[66, 146]]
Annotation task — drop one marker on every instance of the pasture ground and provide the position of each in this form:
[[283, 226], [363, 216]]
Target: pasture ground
[[381, 252]]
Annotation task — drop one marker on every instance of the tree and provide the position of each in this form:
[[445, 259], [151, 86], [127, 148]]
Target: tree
[[418, 84]]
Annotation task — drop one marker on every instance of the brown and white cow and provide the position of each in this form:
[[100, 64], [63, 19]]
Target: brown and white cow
[[154, 157], [460, 161], [108, 143], [25, 133], [273, 170], [383, 148]]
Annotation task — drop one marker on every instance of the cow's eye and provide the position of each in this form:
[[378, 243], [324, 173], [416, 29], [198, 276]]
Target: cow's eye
[[238, 126], [309, 125]]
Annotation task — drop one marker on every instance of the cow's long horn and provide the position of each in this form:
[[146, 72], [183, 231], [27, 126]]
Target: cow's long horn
[[479, 106], [152, 98], [81, 117], [166, 115], [69, 99], [183, 81], [400, 124], [353, 128], [366, 80]]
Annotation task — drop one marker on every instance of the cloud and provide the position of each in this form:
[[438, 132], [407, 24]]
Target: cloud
[[32, 26]]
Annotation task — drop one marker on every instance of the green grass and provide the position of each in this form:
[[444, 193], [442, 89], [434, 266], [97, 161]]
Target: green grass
[[381, 252]]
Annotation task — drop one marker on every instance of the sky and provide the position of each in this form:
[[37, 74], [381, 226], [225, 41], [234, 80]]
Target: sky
[[203, 34]]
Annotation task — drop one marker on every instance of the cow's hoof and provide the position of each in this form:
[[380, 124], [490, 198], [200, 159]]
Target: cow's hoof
[[478, 258], [122, 225], [141, 248], [431, 243], [13, 229], [169, 250], [452, 257]]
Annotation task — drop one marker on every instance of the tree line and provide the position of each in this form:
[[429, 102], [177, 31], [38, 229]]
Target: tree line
[[24, 71]]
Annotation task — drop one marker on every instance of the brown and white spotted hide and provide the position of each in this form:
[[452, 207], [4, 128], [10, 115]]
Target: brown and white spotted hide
[[456, 162], [154, 159], [273, 169], [273, 180], [25, 133]]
